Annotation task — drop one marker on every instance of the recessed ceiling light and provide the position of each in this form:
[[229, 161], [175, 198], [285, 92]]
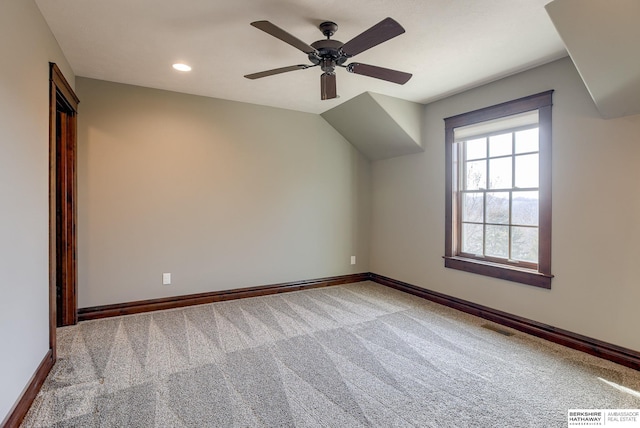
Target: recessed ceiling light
[[181, 67]]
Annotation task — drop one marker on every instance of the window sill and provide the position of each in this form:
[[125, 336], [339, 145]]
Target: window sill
[[496, 270]]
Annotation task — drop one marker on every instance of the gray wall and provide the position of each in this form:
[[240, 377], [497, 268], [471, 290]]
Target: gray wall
[[596, 207], [26, 47], [221, 194]]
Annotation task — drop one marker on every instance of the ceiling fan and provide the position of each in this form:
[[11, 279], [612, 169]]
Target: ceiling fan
[[329, 54]]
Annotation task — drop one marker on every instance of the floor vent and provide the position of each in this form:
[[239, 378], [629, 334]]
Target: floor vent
[[497, 329]]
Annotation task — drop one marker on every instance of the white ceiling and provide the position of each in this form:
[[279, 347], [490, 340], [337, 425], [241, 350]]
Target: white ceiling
[[449, 45]]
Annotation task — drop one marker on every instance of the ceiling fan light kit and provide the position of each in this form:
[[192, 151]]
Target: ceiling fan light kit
[[329, 53]]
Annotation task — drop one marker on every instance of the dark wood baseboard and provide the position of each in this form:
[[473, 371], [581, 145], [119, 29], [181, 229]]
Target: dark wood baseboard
[[129, 308], [20, 409], [608, 351]]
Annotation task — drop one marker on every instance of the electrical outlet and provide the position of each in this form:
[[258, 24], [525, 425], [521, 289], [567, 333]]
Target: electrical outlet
[[353, 260], [166, 279]]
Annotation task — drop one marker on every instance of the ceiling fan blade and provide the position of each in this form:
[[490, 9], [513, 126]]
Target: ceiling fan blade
[[276, 71], [381, 32], [328, 86], [387, 74], [279, 33]]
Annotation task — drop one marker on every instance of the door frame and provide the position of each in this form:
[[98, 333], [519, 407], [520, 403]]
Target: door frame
[[64, 263]]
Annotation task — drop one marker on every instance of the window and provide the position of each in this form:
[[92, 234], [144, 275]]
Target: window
[[498, 191]]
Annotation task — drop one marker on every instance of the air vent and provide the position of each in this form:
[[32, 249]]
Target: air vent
[[497, 329]]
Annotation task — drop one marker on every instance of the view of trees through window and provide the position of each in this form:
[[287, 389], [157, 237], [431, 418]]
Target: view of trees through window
[[500, 196], [498, 190]]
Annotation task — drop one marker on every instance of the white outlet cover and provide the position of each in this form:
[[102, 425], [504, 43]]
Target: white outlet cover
[[166, 279], [353, 260]]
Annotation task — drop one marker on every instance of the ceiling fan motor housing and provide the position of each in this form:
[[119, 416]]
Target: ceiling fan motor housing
[[328, 54]]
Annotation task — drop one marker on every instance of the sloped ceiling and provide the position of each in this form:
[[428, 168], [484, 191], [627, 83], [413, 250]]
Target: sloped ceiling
[[379, 126], [449, 45], [603, 40]]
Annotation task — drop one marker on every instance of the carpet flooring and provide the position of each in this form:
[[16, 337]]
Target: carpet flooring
[[355, 355]]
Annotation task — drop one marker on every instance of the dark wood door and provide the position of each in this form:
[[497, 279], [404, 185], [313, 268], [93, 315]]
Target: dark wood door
[[66, 271], [62, 202]]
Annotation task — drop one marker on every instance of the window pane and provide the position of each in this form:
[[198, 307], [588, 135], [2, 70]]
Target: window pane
[[500, 145], [476, 149], [527, 171], [472, 207], [476, 175], [472, 238], [498, 207], [497, 244], [527, 141], [500, 173], [524, 210], [524, 244]]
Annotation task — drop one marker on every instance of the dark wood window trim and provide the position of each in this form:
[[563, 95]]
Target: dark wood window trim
[[540, 277]]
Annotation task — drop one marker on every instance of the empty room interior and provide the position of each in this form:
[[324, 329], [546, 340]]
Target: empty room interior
[[444, 234]]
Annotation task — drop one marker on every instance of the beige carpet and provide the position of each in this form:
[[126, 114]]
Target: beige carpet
[[344, 356]]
